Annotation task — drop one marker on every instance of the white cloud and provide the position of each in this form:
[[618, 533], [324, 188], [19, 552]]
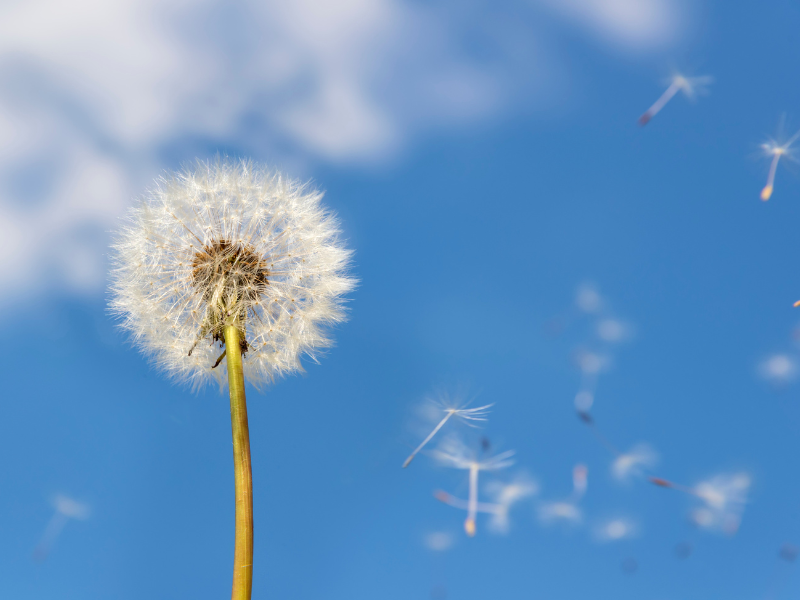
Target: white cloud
[[633, 24], [93, 94]]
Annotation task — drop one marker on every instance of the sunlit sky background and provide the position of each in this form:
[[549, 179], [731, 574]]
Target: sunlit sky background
[[486, 162]]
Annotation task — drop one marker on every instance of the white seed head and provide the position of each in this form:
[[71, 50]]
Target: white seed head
[[229, 243]]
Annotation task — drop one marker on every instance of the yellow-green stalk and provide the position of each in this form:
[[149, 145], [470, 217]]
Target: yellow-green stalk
[[243, 553]]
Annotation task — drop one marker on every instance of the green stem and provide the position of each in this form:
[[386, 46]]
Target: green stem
[[243, 554]]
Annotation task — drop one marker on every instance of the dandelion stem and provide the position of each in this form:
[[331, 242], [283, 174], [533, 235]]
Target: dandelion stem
[[767, 191], [659, 104], [472, 503], [243, 553], [428, 439]]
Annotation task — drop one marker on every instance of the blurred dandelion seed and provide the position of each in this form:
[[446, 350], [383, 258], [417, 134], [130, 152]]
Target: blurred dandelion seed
[[778, 369], [725, 497], [774, 150], [588, 299], [234, 255], [454, 453], [65, 509], [506, 495], [567, 510], [614, 530], [468, 415], [438, 541], [690, 86], [633, 463]]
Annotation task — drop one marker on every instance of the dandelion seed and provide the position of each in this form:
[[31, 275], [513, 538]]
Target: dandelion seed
[[588, 299], [590, 363], [65, 509], [506, 495], [774, 150], [439, 541], [231, 255], [614, 530], [612, 330], [468, 415], [725, 497], [583, 401], [452, 452], [690, 86], [567, 510], [778, 369], [633, 463]]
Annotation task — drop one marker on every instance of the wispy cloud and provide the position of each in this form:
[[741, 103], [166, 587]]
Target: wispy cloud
[[632, 24], [94, 95]]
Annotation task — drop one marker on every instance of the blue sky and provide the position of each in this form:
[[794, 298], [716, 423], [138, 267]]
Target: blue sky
[[485, 162]]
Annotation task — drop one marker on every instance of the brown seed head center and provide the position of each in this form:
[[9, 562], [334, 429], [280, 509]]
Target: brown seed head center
[[230, 272]]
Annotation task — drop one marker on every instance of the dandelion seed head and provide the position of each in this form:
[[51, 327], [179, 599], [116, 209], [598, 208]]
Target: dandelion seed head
[[230, 243]]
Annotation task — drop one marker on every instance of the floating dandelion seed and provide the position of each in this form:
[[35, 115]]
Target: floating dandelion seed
[[633, 463], [452, 452], [235, 255], [588, 299], [725, 497], [690, 86], [506, 495], [65, 509], [614, 530], [778, 369], [774, 150], [470, 416], [438, 541], [567, 510]]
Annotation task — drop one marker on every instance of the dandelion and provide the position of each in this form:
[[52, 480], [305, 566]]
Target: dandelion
[[65, 509], [452, 452], [690, 86], [567, 510], [470, 416], [236, 256], [633, 463], [775, 150]]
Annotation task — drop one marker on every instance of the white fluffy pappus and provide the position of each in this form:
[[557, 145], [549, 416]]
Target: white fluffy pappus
[[229, 243]]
